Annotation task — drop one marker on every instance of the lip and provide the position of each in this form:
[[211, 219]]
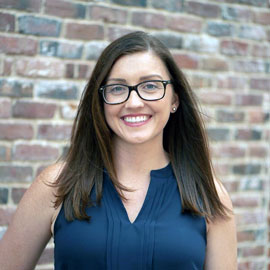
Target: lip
[[136, 124]]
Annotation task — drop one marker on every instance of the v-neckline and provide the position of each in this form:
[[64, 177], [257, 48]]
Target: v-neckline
[[158, 173]]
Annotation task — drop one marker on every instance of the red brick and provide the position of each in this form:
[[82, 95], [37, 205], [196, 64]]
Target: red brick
[[258, 151], [15, 174], [35, 152], [232, 82], [6, 215], [108, 14], [222, 169], [245, 202], [249, 100], [185, 24], [7, 22], [215, 98], [260, 84], [84, 31], [252, 251], [84, 71], [5, 108], [116, 32], [186, 61], [10, 131], [7, 66], [203, 9], [231, 186], [29, 5], [36, 68], [28, 109], [248, 134], [262, 18], [54, 132], [214, 64], [261, 51], [17, 194], [245, 236], [229, 152], [256, 116], [64, 9], [70, 71], [149, 20], [18, 45], [231, 47]]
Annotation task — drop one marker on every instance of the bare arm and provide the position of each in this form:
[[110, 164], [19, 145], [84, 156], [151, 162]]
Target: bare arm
[[29, 231], [221, 251]]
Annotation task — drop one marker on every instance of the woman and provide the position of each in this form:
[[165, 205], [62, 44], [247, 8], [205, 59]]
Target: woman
[[136, 189]]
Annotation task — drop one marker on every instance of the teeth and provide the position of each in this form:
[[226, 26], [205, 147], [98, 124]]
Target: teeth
[[135, 119]]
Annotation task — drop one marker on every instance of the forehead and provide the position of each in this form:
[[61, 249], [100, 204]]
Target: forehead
[[138, 65]]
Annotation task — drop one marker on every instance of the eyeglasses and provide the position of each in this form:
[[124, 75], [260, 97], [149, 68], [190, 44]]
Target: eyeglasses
[[148, 90]]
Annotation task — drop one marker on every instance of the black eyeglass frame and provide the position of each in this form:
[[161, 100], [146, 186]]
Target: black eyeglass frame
[[135, 88]]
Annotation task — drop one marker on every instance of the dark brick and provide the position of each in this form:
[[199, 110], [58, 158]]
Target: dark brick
[[64, 9], [255, 32], [54, 132], [56, 90], [186, 61], [33, 110], [248, 135], [170, 5], [17, 193], [84, 31], [70, 71], [171, 40], [61, 49], [236, 14], [12, 88], [218, 134], [12, 131], [137, 3], [93, 49], [220, 29], [203, 9], [39, 26], [108, 14], [27, 5], [4, 153], [256, 3], [3, 195], [15, 174], [84, 71], [225, 116], [247, 169], [18, 45], [7, 22], [231, 47], [249, 100]]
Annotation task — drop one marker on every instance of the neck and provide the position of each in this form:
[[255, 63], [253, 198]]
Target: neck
[[138, 159]]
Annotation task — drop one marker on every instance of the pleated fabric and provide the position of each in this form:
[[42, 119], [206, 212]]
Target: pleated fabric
[[160, 238]]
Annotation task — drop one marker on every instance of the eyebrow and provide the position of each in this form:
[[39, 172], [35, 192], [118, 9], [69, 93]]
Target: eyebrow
[[141, 78]]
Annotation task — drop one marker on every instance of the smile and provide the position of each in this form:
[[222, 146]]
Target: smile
[[136, 119]]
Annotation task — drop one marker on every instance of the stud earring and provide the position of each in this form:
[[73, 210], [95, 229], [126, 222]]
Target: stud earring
[[173, 109]]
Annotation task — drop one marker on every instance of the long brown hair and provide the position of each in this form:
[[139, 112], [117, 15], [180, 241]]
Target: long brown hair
[[91, 140]]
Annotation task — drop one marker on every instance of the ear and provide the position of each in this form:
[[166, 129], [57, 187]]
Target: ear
[[175, 103]]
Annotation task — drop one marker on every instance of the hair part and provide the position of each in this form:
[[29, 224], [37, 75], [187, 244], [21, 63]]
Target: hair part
[[91, 150]]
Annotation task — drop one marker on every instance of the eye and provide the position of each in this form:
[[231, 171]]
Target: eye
[[116, 89], [149, 86]]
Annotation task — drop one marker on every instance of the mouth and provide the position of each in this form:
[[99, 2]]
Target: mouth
[[138, 119]]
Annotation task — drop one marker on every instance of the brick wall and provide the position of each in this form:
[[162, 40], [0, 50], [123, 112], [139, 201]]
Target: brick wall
[[48, 49]]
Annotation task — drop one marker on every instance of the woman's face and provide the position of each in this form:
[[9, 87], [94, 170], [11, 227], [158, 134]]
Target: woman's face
[[137, 121]]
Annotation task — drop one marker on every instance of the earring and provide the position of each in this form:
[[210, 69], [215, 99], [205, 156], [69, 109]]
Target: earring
[[173, 109]]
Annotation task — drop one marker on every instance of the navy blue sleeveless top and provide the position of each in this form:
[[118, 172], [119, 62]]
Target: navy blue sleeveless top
[[160, 238]]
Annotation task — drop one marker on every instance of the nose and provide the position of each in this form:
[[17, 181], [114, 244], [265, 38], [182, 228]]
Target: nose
[[134, 100]]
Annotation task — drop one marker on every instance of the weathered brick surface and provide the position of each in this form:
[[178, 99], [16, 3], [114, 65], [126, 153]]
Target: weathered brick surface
[[48, 50]]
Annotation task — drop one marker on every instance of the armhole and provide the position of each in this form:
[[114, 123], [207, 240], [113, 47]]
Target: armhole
[[54, 218]]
